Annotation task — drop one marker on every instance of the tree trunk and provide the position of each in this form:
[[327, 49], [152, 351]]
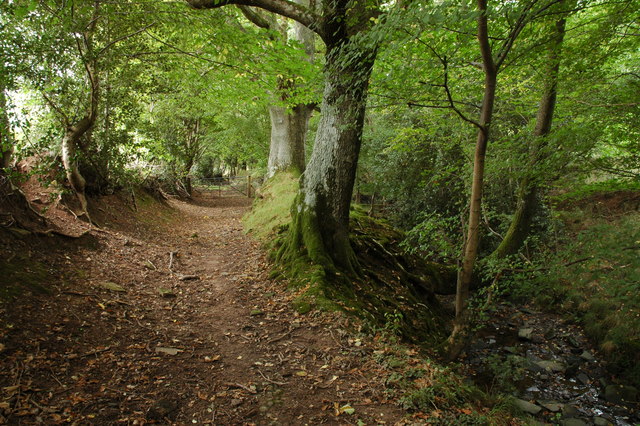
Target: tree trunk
[[528, 201], [289, 128], [320, 213], [288, 134], [470, 252], [74, 133], [6, 137], [70, 143]]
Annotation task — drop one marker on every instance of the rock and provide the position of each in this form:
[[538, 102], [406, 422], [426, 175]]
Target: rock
[[552, 406], [601, 421], [555, 366], [108, 285], [572, 369], [587, 356], [569, 411], [166, 292], [619, 394], [573, 341], [525, 333], [527, 407], [583, 378], [574, 422], [163, 408]]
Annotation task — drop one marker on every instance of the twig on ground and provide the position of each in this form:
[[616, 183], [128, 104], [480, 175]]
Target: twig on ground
[[271, 381], [171, 256], [238, 385]]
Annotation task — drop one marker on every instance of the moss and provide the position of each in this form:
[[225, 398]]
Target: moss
[[271, 208], [21, 274], [383, 282]]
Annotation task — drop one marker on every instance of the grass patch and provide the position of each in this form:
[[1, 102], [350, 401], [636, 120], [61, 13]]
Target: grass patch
[[272, 207], [20, 275]]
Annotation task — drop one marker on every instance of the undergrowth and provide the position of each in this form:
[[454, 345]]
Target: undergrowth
[[390, 282], [593, 276], [432, 393]]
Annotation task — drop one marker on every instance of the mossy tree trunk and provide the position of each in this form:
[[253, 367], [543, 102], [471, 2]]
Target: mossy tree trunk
[[528, 201], [320, 225]]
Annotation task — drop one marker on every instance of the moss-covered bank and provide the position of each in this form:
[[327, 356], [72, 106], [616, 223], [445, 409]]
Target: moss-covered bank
[[391, 289]]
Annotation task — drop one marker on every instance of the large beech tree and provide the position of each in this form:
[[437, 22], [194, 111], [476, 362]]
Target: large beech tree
[[289, 120], [321, 210]]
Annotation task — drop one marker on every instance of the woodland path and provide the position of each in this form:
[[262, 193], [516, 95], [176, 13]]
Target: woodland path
[[225, 348]]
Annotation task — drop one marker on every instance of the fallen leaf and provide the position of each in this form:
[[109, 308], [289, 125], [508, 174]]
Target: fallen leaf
[[169, 351]]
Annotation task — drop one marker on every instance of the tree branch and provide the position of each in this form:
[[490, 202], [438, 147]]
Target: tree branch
[[255, 18], [124, 37], [284, 8]]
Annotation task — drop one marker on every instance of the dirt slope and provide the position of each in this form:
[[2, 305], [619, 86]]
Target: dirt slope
[[123, 338]]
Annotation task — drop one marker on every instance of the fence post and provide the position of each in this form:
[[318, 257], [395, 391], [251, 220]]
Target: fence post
[[249, 186]]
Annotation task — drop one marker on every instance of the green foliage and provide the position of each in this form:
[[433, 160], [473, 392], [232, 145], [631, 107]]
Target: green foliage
[[586, 190], [594, 277]]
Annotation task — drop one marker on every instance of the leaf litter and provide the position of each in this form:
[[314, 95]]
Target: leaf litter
[[224, 348]]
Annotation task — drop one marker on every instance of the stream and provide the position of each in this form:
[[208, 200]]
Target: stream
[[550, 368]]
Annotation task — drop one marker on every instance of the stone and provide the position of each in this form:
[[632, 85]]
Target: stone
[[619, 394], [573, 342], [583, 378], [587, 356], [554, 366], [527, 407], [525, 333], [569, 411], [111, 286], [574, 422], [552, 406], [601, 421], [168, 351]]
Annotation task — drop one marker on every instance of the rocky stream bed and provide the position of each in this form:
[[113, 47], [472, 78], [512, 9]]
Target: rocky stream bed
[[551, 368]]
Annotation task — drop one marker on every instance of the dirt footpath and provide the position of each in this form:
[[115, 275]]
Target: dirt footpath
[[170, 318]]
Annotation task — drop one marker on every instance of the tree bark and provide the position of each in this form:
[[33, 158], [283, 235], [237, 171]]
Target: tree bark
[[321, 211], [288, 135], [528, 201], [74, 133], [70, 142], [470, 251], [6, 136]]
